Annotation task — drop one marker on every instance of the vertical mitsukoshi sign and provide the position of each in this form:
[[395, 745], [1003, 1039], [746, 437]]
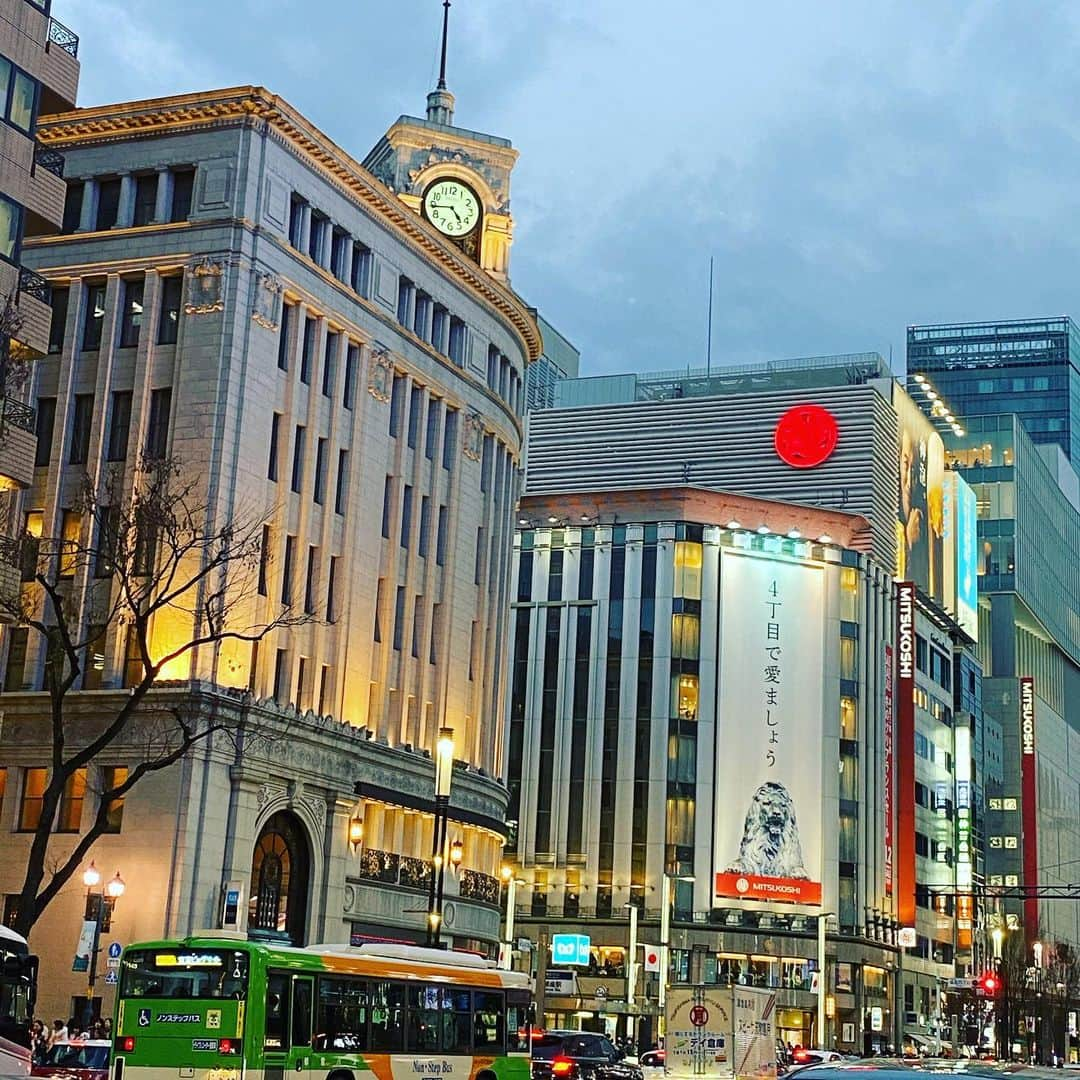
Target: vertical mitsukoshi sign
[[904, 753], [767, 836], [1030, 810]]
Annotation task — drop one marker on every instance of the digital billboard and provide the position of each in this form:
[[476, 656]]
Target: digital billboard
[[920, 503], [960, 554], [767, 835]]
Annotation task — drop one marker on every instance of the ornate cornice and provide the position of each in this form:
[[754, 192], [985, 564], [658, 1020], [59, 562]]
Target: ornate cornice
[[256, 106]]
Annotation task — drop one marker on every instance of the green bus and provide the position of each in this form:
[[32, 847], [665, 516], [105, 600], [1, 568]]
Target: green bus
[[218, 1007]]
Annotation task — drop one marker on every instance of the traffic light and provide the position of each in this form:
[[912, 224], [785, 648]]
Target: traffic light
[[989, 983]]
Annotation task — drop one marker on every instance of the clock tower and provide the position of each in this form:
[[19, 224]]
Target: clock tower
[[457, 179]]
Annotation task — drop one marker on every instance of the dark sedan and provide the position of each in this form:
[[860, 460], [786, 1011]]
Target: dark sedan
[[580, 1055]]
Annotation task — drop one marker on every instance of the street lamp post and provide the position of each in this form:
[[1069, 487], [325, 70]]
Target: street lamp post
[[506, 954], [100, 902], [631, 969], [666, 903], [444, 768]]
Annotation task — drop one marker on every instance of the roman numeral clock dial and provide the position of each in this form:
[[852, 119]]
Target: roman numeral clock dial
[[454, 209]]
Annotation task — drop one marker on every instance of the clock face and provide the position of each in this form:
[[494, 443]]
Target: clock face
[[451, 207]]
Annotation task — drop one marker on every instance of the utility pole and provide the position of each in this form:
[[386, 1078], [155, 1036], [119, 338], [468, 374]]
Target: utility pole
[[541, 975]]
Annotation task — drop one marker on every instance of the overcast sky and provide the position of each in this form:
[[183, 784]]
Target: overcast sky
[[852, 167]]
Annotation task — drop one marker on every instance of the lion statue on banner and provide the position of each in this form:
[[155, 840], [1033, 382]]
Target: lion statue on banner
[[770, 844]]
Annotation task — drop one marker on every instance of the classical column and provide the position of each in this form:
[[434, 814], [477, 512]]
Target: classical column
[[125, 212], [88, 216], [163, 201]]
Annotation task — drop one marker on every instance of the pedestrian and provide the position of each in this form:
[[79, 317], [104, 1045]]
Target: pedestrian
[[39, 1042], [108, 1027], [59, 1033]]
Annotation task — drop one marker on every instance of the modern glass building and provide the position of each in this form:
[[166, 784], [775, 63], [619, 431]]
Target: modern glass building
[[1026, 367]]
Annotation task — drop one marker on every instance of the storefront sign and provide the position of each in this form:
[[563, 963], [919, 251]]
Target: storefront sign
[[570, 949], [887, 787], [1029, 795], [805, 436], [905, 751]]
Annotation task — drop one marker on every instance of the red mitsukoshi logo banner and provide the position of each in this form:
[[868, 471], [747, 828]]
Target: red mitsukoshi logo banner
[[752, 887]]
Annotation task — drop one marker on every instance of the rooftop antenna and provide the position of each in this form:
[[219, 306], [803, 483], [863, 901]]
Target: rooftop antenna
[[708, 337], [445, 30]]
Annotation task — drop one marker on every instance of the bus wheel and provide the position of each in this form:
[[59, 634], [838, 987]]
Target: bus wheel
[[346, 1075], [486, 1074]]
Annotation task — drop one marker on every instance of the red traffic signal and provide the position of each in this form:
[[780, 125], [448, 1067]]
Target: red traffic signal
[[989, 983]]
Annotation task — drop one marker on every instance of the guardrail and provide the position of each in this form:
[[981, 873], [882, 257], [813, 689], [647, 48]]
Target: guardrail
[[67, 39]]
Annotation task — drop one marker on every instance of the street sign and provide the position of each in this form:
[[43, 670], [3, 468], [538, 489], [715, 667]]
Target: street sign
[[601, 993], [963, 983], [560, 983], [113, 963], [906, 937], [877, 1018], [570, 949], [110, 978], [115, 949]]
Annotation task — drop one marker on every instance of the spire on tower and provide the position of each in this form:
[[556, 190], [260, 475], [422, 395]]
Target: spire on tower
[[440, 102]]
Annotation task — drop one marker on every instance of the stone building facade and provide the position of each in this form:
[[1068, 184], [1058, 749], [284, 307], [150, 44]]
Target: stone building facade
[[234, 291]]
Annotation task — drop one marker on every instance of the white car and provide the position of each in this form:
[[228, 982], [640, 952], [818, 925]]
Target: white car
[[804, 1056]]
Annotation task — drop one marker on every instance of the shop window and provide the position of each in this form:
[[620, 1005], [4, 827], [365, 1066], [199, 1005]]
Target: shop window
[[688, 570], [684, 696]]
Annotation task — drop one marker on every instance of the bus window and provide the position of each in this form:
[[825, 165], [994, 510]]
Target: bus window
[[387, 1016], [457, 1021], [422, 1033], [488, 1031], [183, 973], [301, 1011], [277, 1011], [342, 1014]]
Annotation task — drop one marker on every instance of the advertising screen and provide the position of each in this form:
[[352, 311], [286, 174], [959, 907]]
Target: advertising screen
[[767, 835], [967, 558], [920, 503]]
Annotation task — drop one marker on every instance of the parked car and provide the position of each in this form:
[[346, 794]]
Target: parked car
[[580, 1055], [76, 1059]]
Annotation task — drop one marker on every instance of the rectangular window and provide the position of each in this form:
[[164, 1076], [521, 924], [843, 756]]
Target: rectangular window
[[183, 187], [11, 229], [337, 254], [119, 425], [43, 428], [58, 322], [361, 269], [296, 220], [341, 491], [440, 537], [324, 689], [416, 406], [145, 199], [328, 364], [73, 202], [397, 400], [15, 671], [458, 337], [272, 462], [449, 438], [425, 527], [486, 455], [406, 514], [387, 506], [404, 290], [493, 367], [281, 676], [81, 419], [20, 94], [95, 317], [399, 617], [352, 362], [169, 323], [310, 330], [331, 582], [108, 203], [33, 523], [283, 337], [377, 635], [298, 458], [69, 819], [264, 559], [316, 233], [310, 580], [287, 571], [417, 625], [94, 671], [112, 776], [157, 427], [433, 649], [439, 317], [432, 434], [131, 318], [133, 665], [33, 793], [478, 562], [320, 471]]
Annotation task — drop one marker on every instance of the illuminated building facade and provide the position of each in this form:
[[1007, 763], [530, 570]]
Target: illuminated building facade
[[234, 291]]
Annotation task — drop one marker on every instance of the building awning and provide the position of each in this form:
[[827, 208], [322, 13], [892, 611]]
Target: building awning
[[392, 797]]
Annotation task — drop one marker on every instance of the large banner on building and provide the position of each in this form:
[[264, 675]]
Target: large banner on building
[[767, 834], [920, 503], [905, 752], [961, 554], [888, 744], [1030, 809]]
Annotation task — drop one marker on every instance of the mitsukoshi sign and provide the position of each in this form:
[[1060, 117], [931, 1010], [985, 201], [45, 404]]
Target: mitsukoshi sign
[[767, 835]]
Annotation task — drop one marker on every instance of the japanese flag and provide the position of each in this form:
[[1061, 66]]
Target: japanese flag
[[652, 958]]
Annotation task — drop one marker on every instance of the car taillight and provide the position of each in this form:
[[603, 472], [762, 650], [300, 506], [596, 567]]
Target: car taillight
[[801, 1055], [561, 1066], [125, 1044], [226, 1046]]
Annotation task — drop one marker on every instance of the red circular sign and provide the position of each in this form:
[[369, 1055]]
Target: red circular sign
[[699, 1016], [805, 436]]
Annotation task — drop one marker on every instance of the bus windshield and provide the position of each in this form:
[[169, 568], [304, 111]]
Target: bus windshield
[[184, 973]]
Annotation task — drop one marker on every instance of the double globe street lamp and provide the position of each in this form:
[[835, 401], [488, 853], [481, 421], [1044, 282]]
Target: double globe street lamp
[[100, 901]]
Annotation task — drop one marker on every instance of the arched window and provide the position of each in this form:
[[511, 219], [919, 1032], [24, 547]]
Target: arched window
[[279, 880]]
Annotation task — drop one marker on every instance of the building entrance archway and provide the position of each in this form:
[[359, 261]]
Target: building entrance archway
[[280, 877]]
